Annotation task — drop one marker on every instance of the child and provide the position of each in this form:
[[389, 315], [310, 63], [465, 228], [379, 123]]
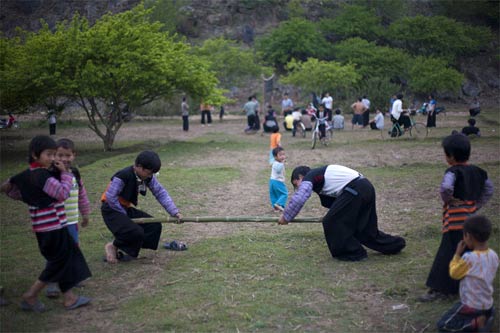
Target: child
[[464, 189], [338, 120], [277, 188], [275, 141], [471, 129], [77, 201], [117, 208], [45, 196], [476, 271]]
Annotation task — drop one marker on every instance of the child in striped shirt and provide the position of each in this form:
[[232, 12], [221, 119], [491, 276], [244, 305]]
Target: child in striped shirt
[[45, 197], [77, 201], [476, 271]]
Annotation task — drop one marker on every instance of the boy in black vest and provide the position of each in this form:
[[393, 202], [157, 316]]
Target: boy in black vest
[[118, 211]]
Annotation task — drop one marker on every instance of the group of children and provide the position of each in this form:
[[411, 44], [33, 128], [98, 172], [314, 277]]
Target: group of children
[[53, 189]]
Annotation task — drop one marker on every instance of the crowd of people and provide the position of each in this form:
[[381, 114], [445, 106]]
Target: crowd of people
[[464, 265]]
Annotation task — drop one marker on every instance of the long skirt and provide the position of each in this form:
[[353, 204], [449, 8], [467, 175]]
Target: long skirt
[[129, 236], [278, 193], [352, 222], [439, 277], [66, 264]]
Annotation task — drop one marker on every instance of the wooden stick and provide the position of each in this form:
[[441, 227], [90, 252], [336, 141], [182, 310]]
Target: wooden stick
[[238, 219]]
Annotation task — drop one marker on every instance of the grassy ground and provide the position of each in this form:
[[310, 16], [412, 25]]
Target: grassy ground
[[247, 277]]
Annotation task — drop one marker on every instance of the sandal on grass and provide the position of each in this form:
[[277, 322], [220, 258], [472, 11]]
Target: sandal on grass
[[37, 307], [175, 246], [80, 301], [120, 256]]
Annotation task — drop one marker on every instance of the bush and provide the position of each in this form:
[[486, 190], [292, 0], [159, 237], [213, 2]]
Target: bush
[[432, 75]]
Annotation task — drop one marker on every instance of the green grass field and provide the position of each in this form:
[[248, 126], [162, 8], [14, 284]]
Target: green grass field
[[247, 277]]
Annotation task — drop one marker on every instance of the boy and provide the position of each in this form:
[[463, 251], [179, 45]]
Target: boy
[[471, 129], [465, 188], [338, 120], [476, 271], [278, 192], [77, 201], [118, 211], [274, 142], [45, 195]]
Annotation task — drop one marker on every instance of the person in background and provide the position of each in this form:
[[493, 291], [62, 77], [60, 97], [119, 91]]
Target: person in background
[[358, 108], [328, 102], [185, 114], [475, 107], [206, 112], [366, 113], [431, 111], [471, 129], [286, 105], [338, 120], [378, 122], [52, 122]]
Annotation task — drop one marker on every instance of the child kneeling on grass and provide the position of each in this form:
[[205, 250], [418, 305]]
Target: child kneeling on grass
[[476, 271], [117, 211], [45, 196]]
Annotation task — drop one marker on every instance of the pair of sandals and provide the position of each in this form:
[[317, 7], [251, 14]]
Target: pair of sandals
[[175, 246]]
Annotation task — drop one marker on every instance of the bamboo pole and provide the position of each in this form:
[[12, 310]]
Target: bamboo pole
[[209, 219]]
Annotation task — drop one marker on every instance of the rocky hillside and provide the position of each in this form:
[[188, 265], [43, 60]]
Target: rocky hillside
[[242, 20]]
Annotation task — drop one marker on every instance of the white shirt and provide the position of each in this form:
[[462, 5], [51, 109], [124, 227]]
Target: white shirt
[[397, 109], [296, 115], [366, 102], [379, 121], [328, 101], [286, 104], [336, 178], [278, 171]]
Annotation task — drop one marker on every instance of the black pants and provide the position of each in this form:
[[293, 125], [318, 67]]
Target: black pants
[[129, 236], [251, 122], [185, 123], [52, 129], [352, 222], [431, 119], [373, 126], [439, 277], [366, 118], [65, 262], [208, 115]]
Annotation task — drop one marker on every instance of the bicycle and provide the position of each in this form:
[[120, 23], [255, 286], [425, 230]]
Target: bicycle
[[315, 135], [300, 128], [416, 130]]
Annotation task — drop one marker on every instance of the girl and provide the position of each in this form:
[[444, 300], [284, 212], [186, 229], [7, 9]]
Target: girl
[[45, 197]]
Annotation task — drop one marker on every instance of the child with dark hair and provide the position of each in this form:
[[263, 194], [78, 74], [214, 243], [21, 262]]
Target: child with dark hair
[[465, 188], [45, 196], [278, 192], [351, 221], [118, 211], [471, 129], [476, 271], [77, 201], [274, 142]]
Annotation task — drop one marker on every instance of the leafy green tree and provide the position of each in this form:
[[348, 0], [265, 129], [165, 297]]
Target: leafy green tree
[[432, 75], [230, 61], [122, 62], [316, 75], [438, 36], [353, 21], [371, 60], [296, 38]]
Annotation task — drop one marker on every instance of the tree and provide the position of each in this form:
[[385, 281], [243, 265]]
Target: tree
[[316, 75], [353, 21], [230, 61], [438, 36], [122, 62], [373, 61], [432, 75], [296, 38]]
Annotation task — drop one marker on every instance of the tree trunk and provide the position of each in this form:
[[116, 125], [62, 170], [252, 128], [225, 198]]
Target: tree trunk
[[109, 139]]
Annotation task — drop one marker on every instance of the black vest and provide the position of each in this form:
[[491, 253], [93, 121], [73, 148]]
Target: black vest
[[30, 183], [469, 181], [131, 189]]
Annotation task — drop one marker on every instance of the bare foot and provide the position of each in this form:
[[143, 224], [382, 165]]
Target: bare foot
[[110, 253]]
